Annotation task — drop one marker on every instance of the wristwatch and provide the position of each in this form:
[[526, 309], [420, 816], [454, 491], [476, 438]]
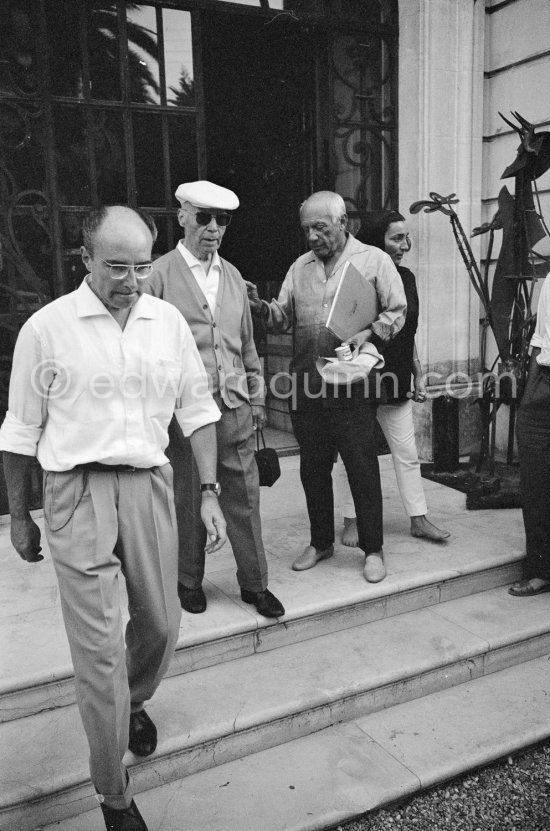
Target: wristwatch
[[214, 487]]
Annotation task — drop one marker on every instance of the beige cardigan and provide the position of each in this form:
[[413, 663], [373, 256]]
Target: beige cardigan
[[224, 340]]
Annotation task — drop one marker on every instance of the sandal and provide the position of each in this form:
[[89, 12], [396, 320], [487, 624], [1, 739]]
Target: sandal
[[523, 588]]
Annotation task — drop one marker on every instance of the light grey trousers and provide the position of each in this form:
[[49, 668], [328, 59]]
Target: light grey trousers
[[100, 525]]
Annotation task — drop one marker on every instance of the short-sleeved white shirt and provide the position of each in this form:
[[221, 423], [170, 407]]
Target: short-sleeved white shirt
[[82, 389]]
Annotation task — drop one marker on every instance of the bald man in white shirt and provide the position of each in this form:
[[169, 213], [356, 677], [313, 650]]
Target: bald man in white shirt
[[97, 376]]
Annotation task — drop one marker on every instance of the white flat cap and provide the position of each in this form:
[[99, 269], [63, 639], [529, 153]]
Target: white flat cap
[[207, 195]]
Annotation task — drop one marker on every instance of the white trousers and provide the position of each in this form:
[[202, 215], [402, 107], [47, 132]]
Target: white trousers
[[396, 421]]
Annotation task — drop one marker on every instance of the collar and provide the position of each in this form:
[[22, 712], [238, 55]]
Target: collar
[[88, 303], [349, 248], [193, 262]]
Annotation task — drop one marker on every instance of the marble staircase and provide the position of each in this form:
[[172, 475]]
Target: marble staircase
[[359, 695]]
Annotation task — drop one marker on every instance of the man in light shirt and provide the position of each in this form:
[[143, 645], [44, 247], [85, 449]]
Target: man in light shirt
[[211, 295], [533, 437], [327, 418], [97, 376]]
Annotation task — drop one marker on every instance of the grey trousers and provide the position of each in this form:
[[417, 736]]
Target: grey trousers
[[99, 525], [240, 500]]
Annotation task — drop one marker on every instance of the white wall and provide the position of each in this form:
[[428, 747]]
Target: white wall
[[440, 142], [517, 78]]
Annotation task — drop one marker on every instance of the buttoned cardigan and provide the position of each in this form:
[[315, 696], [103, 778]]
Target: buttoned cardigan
[[225, 339]]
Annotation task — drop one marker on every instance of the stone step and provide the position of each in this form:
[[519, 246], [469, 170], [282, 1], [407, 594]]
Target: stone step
[[315, 782], [231, 629], [225, 712], [35, 667]]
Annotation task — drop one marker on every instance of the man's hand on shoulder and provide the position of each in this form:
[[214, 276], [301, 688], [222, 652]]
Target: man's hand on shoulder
[[256, 304], [25, 538]]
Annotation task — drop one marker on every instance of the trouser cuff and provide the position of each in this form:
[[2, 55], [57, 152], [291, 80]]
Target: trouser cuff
[[116, 800], [254, 587], [321, 545], [192, 585]]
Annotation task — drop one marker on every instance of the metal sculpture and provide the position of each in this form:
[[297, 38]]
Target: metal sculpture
[[507, 304]]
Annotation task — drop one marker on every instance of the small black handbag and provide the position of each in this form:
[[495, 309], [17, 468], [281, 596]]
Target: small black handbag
[[267, 461]]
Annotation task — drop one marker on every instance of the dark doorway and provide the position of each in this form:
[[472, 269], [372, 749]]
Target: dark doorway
[[259, 94]]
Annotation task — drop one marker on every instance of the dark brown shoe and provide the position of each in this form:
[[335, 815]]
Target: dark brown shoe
[[192, 600], [143, 734], [126, 819], [265, 602]]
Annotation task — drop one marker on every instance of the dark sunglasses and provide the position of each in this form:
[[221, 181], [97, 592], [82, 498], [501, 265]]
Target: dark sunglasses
[[222, 218]]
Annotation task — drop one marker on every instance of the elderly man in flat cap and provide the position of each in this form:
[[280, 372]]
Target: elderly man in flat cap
[[212, 296]]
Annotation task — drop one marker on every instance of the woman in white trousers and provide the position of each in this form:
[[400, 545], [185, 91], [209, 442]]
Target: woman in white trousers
[[387, 230]]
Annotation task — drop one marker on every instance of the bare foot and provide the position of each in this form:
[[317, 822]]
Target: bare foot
[[527, 588], [350, 535], [537, 583], [422, 527]]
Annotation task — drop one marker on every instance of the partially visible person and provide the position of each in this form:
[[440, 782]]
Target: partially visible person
[[388, 231], [533, 438], [326, 417], [97, 376], [211, 295]]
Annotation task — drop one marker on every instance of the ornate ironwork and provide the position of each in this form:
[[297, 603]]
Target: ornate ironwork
[[363, 120], [25, 233], [78, 79]]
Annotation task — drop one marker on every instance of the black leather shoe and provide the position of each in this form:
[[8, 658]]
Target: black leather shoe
[[143, 734], [127, 819], [192, 600], [265, 602]]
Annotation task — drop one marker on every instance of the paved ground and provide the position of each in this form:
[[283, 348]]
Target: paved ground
[[32, 639]]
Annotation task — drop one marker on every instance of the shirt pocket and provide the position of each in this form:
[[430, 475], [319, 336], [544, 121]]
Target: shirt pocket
[[165, 378]]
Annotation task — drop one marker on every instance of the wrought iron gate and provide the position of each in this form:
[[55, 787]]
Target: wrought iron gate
[[105, 102]]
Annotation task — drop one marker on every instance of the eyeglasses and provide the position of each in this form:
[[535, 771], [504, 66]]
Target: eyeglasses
[[222, 218], [117, 271]]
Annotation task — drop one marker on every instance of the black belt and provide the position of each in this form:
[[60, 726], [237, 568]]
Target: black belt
[[544, 368], [100, 467]]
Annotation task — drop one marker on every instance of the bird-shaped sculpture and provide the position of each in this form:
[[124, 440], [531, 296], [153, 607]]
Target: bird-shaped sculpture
[[533, 152]]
